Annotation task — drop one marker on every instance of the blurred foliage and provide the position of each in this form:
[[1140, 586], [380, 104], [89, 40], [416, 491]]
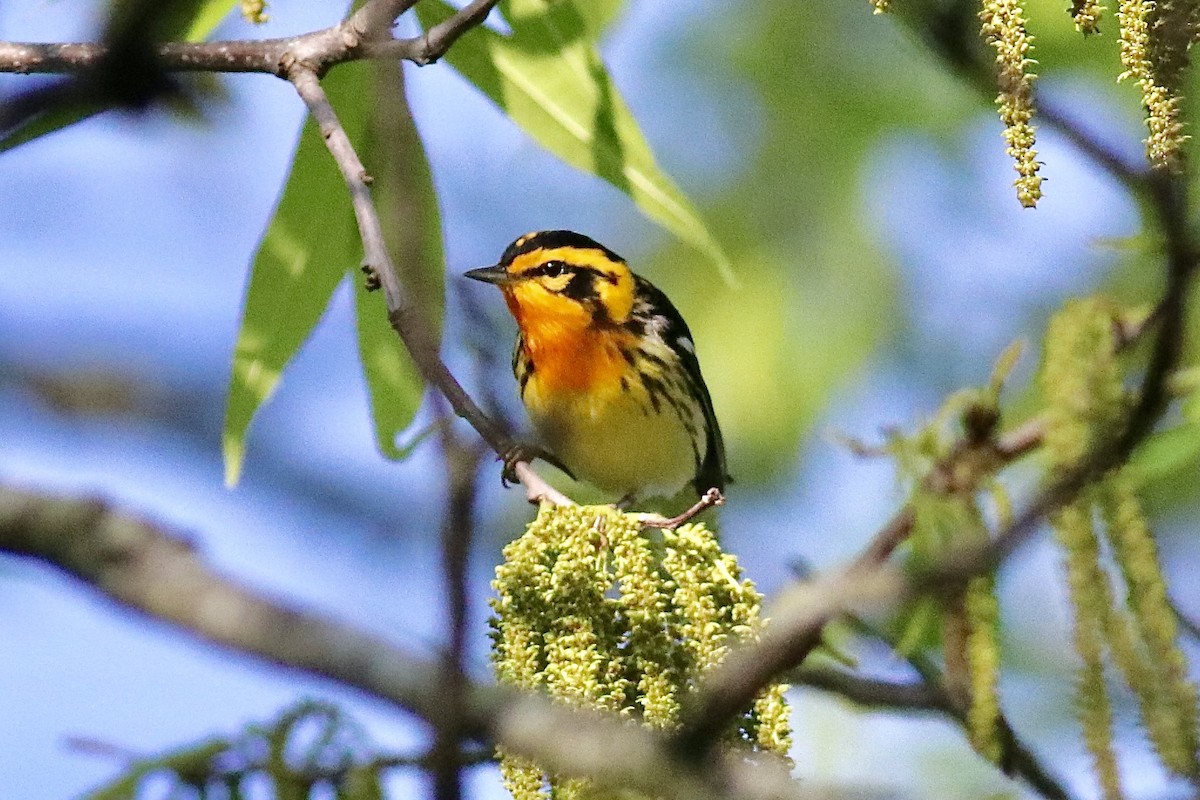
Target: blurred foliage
[[1082, 379], [134, 23], [308, 752]]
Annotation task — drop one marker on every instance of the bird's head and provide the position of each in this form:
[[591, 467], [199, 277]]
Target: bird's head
[[563, 279]]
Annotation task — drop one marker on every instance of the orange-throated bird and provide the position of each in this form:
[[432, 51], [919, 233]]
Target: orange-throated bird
[[607, 368]]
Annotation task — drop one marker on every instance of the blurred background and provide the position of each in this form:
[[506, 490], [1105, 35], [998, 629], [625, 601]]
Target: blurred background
[[865, 199]]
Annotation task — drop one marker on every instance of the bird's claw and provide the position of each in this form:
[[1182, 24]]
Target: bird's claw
[[518, 452]]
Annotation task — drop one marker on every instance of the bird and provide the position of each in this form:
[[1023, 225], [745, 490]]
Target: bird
[[607, 370]]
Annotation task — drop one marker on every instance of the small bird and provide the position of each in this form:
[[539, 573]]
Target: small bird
[[607, 369]]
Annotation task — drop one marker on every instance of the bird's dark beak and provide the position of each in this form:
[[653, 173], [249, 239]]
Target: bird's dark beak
[[497, 275]]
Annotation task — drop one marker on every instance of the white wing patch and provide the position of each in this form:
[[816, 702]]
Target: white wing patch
[[686, 344]]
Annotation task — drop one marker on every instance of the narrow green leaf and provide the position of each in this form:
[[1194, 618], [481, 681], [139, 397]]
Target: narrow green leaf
[[1166, 453], [599, 15], [56, 116], [404, 195], [192, 764], [207, 17], [361, 783], [305, 253], [313, 243], [549, 78]]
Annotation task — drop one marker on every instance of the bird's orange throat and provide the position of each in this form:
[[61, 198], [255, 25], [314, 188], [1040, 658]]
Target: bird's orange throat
[[569, 351]]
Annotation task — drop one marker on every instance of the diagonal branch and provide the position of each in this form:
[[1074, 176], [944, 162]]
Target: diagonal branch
[[405, 316], [799, 615]]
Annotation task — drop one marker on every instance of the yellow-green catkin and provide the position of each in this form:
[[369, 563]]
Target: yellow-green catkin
[[1168, 696], [599, 615], [1004, 29], [1086, 14], [983, 667], [1086, 403], [255, 11], [1155, 38], [1081, 380], [1089, 597], [880, 6]]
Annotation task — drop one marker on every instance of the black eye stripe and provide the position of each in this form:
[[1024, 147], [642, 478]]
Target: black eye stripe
[[553, 269], [582, 285]]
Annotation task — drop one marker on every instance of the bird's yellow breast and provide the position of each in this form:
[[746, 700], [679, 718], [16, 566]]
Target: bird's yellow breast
[[593, 411], [613, 435]]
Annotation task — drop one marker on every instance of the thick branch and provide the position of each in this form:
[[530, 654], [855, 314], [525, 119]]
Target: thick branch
[[143, 567]]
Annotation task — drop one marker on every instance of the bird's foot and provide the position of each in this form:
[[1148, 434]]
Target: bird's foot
[[527, 452], [712, 497]]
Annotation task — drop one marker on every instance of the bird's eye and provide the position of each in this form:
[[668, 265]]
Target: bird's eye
[[553, 269]]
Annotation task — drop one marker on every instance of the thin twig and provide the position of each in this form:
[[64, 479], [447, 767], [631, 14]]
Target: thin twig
[[1017, 758], [433, 44], [873, 693], [406, 318]]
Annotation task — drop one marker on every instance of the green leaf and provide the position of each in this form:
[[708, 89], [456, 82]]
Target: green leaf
[[917, 625], [56, 116], [302, 258], [407, 204], [1166, 453], [191, 764], [193, 26], [207, 17], [549, 78], [362, 782], [599, 15], [312, 244]]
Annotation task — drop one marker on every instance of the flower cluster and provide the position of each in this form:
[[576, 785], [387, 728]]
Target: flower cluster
[[600, 615]]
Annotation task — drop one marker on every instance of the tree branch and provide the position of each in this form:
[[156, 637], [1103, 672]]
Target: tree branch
[[140, 565], [366, 34], [433, 44], [462, 467], [406, 317]]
